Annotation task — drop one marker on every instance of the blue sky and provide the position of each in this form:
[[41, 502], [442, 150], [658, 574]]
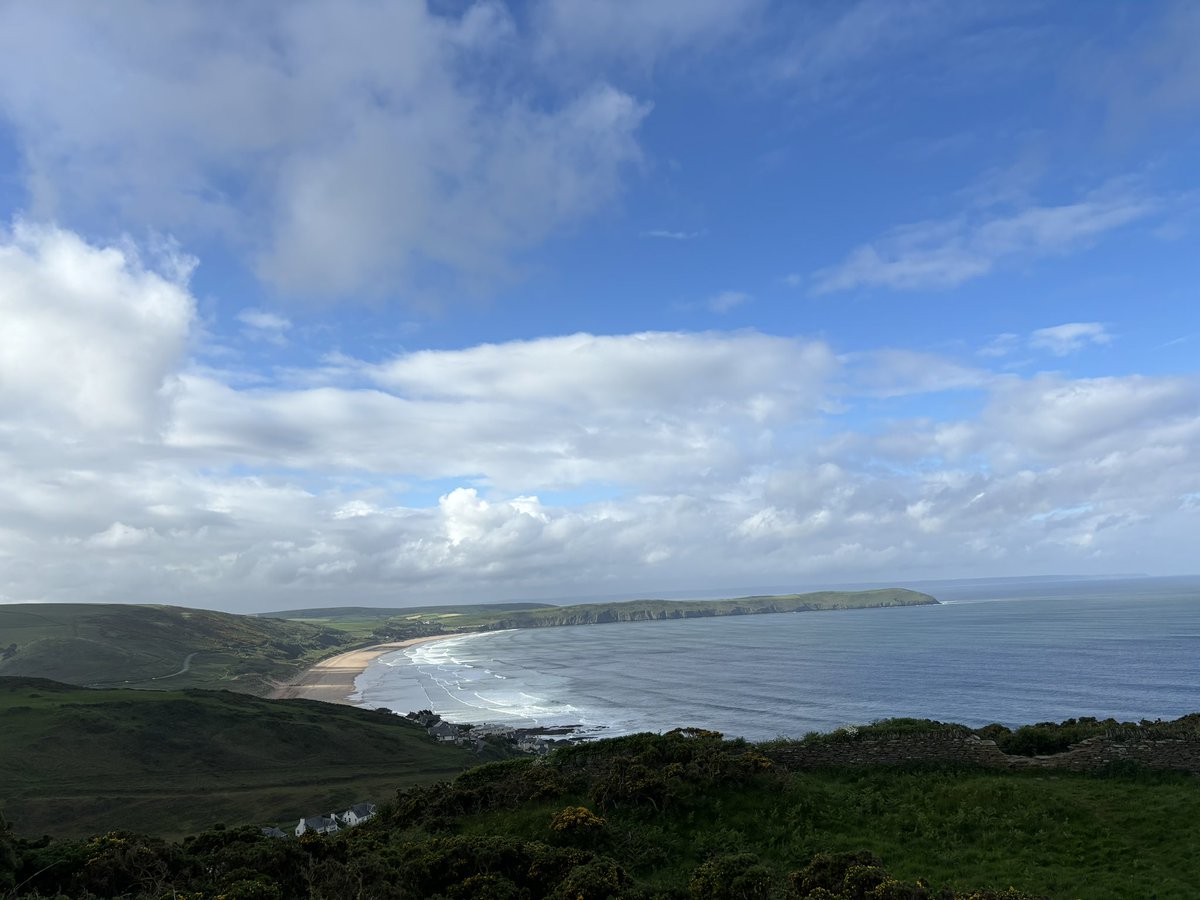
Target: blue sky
[[400, 302]]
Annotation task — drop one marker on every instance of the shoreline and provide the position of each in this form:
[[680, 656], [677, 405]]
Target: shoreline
[[332, 680]]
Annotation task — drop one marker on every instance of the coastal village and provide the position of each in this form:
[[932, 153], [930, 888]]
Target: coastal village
[[535, 741]]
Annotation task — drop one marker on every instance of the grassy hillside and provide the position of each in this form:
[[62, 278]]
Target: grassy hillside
[[405, 623], [75, 761], [688, 815], [156, 646], [646, 610]]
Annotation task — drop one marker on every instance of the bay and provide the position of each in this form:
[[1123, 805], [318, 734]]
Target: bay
[[1009, 652]]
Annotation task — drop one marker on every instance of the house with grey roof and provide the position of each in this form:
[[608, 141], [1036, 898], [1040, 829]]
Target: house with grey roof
[[357, 814], [444, 731], [318, 825]]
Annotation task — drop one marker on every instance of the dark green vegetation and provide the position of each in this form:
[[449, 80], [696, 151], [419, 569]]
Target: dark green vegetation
[[684, 815], [1042, 739], [392, 624], [75, 761], [157, 646]]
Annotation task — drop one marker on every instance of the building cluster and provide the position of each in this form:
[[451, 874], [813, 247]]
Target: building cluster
[[526, 740], [355, 815]]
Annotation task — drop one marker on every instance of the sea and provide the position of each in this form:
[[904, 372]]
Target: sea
[[1014, 651]]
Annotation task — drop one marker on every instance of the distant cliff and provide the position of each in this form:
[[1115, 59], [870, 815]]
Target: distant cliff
[[652, 610]]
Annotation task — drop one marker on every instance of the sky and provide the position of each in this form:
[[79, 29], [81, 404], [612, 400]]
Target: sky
[[397, 303]]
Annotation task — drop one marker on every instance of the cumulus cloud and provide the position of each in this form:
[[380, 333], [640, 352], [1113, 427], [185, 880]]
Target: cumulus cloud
[[935, 255], [377, 152], [91, 338], [577, 464], [1051, 416], [554, 412]]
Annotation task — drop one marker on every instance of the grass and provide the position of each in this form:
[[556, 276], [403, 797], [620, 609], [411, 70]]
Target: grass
[[1056, 834], [157, 646], [75, 762]]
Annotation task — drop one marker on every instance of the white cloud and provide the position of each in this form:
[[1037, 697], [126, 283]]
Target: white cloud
[[578, 464], [897, 373], [555, 412], [91, 338], [937, 255], [381, 152], [1055, 417], [264, 326], [120, 536], [1000, 345], [1071, 337]]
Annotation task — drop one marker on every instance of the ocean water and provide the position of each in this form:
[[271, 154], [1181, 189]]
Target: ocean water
[[1002, 652]]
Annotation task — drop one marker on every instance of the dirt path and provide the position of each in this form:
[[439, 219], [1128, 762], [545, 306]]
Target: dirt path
[[332, 680], [187, 664]]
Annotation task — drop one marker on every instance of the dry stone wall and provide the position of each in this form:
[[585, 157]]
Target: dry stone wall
[[1092, 754]]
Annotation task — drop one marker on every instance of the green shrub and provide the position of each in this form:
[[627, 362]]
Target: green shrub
[[827, 872], [736, 877], [599, 879]]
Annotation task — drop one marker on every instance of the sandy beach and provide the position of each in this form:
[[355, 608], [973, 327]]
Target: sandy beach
[[332, 679]]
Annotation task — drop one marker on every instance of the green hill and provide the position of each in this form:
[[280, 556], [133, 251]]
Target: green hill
[[75, 761], [157, 646]]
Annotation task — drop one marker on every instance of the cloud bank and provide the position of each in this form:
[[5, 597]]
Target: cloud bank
[[566, 465], [383, 152]]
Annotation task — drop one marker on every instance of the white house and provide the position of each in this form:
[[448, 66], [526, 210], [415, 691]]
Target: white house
[[358, 813], [318, 825]]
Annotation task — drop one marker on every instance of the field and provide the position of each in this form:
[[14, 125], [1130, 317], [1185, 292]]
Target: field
[[75, 762]]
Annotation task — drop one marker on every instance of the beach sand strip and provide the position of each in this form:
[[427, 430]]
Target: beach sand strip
[[332, 680]]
